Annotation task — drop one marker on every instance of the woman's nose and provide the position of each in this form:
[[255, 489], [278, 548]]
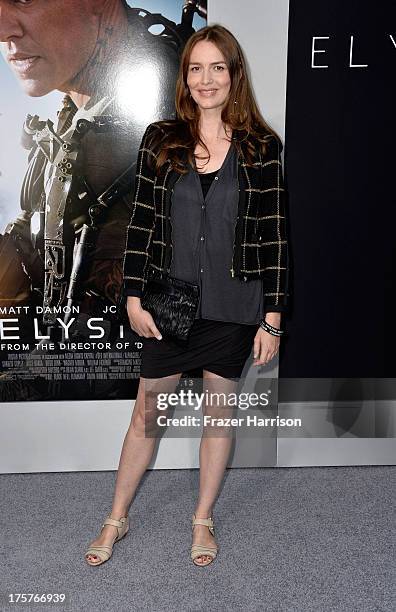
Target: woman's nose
[[206, 76]]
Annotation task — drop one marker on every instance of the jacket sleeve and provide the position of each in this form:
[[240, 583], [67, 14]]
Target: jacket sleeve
[[274, 229], [141, 226]]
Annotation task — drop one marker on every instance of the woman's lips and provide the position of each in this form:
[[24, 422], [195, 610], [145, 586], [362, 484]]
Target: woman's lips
[[207, 92]]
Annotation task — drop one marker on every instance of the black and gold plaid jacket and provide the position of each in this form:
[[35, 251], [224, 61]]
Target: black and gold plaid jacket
[[260, 243]]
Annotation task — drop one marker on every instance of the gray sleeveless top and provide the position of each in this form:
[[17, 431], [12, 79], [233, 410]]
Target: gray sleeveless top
[[202, 239]]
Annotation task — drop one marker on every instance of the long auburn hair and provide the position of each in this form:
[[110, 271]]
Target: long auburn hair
[[178, 138]]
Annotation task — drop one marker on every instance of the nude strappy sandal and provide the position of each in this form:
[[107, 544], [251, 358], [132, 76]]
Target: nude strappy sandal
[[104, 552], [197, 550]]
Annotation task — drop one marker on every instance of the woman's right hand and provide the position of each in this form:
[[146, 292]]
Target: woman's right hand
[[141, 320]]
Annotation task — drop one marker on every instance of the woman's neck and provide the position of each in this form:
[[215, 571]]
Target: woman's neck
[[212, 128]]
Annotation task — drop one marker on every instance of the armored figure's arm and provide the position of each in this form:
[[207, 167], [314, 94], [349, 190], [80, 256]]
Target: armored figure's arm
[[22, 268], [22, 265], [14, 281], [26, 261]]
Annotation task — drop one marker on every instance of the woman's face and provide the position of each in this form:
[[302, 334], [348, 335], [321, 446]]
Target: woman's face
[[208, 77]]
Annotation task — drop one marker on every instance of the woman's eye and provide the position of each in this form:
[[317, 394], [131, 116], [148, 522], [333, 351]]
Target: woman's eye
[[217, 68]]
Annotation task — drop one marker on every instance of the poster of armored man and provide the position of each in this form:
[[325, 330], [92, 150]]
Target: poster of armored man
[[80, 82]]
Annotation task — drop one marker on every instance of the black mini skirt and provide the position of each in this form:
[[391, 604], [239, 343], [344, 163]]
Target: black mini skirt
[[217, 346]]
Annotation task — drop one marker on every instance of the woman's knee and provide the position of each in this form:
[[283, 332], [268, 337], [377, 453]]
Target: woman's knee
[[145, 414], [144, 418]]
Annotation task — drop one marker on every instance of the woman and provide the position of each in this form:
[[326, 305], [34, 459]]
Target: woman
[[212, 177]]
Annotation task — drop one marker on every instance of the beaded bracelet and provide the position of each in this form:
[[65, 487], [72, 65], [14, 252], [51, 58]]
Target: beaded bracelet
[[274, 331]]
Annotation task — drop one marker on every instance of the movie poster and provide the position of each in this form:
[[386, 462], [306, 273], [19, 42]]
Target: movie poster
[[76, 99]]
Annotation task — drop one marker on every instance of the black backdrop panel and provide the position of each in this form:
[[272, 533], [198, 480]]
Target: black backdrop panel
[[340, 171]]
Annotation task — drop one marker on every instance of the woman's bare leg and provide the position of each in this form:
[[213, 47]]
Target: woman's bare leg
[[214, 453], [137, 451]]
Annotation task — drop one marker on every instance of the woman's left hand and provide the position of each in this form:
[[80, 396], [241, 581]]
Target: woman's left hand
[[265, 347]]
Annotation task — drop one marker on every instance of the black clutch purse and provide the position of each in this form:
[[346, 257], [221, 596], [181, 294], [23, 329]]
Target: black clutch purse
[[173, 304]]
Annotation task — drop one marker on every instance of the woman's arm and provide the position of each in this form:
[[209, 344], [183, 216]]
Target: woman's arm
[[276, 279], [141, 226], [274, 231], [138, 242]]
